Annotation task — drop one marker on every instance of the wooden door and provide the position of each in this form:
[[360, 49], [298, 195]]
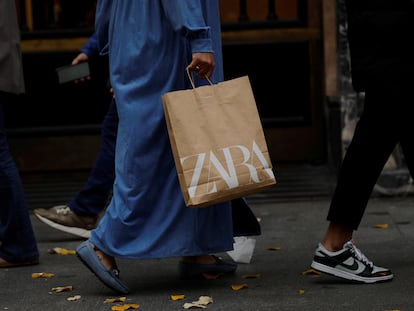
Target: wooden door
[[278, 44]]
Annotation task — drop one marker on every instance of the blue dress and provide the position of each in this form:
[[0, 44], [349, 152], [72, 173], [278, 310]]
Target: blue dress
[[150, 43]]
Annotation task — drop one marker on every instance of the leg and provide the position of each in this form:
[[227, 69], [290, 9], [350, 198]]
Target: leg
[[362, 165], [80, 215], [407, 128], [375, 138], [18, 243], [92, 198]]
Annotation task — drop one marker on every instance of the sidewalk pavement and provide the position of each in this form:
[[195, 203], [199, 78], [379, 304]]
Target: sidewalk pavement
[[290, 233]]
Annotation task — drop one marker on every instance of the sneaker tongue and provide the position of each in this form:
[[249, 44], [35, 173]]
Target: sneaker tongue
[[349, 244], [358, 254]]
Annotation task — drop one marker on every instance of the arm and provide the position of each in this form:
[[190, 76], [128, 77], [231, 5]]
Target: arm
[[89, 50], [91, 46], [186, 17]]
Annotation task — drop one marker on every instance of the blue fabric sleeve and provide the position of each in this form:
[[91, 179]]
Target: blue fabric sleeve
[[186, 17], [102, 15], [91, 46]]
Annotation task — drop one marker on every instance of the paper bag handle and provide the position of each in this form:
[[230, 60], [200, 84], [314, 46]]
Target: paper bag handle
[[190, 77]]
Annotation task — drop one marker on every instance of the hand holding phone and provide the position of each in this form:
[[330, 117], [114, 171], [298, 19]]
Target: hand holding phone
[[72, 72]]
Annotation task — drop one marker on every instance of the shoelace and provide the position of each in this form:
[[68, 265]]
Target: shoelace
[[358, 254], [63, 210]]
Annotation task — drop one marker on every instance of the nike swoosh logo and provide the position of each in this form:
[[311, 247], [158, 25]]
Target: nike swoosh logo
[[356, 266], [353, 267]]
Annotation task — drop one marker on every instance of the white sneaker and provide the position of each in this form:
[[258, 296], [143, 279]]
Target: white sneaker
[[62, 218], [349, 263]]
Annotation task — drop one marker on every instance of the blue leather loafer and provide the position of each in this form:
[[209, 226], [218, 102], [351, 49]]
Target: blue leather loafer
[[110, 277], [191, 270]]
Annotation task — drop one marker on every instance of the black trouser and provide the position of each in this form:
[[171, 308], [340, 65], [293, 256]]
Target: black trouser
[[387, 120]]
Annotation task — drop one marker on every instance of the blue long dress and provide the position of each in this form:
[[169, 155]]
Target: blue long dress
[[150, 43]]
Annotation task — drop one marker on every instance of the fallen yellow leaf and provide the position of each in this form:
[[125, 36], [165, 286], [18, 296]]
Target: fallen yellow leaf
[[62, 251], [125, 307], [275, 248], [177, 297], [42, 275], [381, 226], [239, 287], [116, 299], [301, 291], [311, 272], [252, 276]]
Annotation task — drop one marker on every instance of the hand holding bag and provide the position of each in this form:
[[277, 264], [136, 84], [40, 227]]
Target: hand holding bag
[[218, 142]]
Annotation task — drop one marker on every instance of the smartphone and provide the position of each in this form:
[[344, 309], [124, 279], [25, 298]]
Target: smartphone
[[72, 72]]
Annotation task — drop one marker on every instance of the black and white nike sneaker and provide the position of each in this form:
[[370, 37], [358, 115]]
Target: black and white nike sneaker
[[349, 263]]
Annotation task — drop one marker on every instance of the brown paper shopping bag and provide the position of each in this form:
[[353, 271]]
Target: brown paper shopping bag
[[218, 142]]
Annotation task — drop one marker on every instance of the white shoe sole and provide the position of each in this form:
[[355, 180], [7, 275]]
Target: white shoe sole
[[347, 275], [83, 233]]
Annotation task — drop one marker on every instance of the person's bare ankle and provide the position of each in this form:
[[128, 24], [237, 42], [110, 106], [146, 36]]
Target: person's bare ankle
[[336, 236], [332, 247], [107, 261]]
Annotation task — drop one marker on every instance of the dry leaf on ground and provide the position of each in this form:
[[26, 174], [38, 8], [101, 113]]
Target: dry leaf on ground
[[275, 248], [61, 289], [239, 286], [116, 299], [42, 275], [74, 298], [177, 297], [125, 307], [381, 226], [62, 251], [201, 303]]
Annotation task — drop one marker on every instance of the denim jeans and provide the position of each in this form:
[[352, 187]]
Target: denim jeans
[[91, 200], [18, 242]]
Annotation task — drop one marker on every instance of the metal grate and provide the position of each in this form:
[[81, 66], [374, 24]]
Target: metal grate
[[298, 182], [294, 182], [44, 190]]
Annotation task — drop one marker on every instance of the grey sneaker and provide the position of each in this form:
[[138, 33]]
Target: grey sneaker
[[62, 218], [349, 263]]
